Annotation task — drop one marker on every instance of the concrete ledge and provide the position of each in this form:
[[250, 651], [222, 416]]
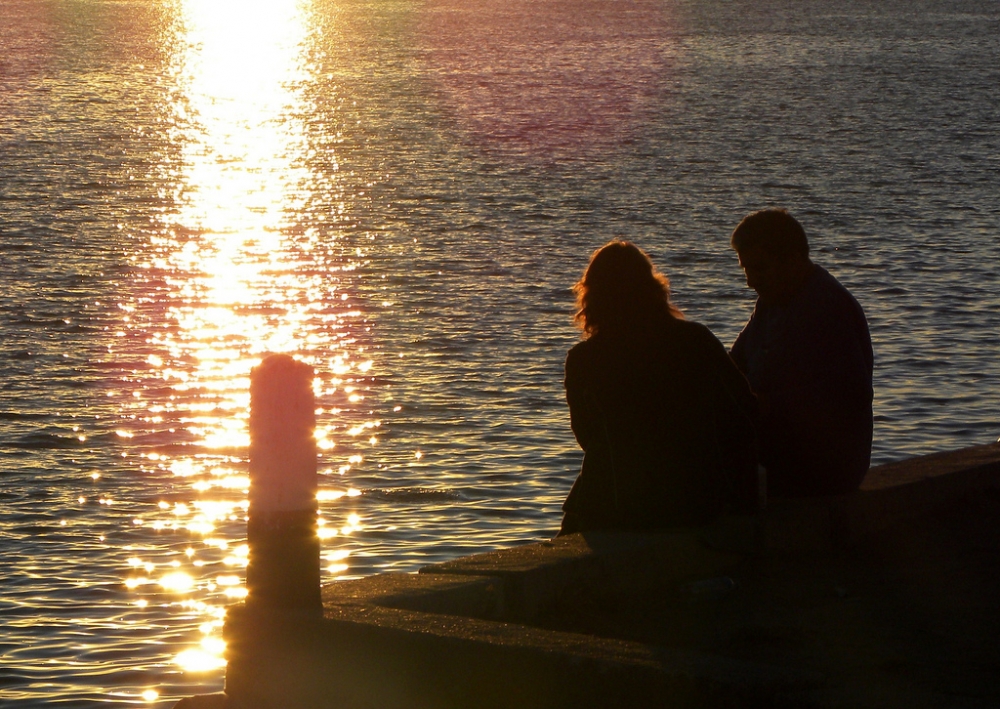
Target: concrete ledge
[[534, 576], [468, 633], [889, 494], [394, 659], [464, 596]]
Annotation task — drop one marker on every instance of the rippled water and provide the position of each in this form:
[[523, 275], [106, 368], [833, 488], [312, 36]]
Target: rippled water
[[402, 193]]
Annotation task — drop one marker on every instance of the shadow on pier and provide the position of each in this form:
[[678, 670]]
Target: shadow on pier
[[885, 597]]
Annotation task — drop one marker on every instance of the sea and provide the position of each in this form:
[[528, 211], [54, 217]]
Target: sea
[[402, 193]]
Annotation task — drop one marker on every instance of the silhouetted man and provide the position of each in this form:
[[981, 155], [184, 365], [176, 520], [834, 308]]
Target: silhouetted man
[[807, 354]]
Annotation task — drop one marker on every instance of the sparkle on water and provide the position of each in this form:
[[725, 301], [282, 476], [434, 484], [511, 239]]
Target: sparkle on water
[[224, 289], [401, 194]]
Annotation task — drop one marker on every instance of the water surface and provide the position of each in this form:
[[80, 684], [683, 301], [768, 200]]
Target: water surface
[[402, 193]]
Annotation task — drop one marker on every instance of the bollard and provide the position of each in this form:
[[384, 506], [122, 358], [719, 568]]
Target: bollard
[[283, 570]]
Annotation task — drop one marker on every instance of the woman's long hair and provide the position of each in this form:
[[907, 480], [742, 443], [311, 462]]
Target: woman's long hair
[[622, 292]]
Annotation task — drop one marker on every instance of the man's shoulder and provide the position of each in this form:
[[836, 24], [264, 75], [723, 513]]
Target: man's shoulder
[[840, 319], [827, 299], [829, 291]]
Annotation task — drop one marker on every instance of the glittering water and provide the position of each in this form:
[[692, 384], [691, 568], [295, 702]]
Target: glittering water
[[402, 193]]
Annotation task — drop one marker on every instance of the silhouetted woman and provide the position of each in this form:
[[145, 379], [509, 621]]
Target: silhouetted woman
[[665, 419]]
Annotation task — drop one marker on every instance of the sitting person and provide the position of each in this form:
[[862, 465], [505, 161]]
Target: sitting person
[[665, 419], [807, 354]]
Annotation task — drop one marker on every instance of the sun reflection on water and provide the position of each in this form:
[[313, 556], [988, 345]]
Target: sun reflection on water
[[238, 268]]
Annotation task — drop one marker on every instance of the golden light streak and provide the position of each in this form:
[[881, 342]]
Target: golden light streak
[[198, 660], [235, 270], [177, 582]]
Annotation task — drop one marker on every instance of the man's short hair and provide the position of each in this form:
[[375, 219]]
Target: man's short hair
[[774, 230]]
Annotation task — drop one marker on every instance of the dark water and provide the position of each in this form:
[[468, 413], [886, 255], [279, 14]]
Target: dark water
[[402, 193]]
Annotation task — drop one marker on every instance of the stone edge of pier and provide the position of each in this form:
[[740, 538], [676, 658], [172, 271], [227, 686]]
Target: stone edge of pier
[[460, 633]]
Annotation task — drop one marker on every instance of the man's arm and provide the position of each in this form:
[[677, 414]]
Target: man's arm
[[738, 352]]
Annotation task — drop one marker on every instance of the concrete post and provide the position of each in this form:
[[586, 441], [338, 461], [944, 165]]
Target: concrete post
[[283, 571]]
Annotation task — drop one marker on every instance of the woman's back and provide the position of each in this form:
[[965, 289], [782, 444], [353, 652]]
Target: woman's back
[[664, 419], [662, 413]]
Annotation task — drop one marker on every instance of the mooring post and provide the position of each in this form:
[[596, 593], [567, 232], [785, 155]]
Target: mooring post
[[283, 571]]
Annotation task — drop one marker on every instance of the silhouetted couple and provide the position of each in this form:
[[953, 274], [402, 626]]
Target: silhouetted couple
[[673, 427]]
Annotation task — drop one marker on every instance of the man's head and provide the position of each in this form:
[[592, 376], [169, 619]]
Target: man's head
[[774, 253]]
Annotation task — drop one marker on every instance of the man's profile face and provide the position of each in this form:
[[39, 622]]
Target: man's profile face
[[775, 278], [763, 272]]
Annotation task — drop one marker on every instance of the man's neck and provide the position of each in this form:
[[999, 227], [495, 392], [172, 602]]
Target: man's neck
[[798, 274]]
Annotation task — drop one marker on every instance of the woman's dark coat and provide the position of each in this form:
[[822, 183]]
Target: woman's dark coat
[[667, 425]]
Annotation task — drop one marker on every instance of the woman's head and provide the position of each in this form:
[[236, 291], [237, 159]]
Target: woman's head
[[621, 291]]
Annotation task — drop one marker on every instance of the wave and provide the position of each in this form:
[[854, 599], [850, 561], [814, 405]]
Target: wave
[[20, 416], [164, 443], [49, 441], [412, 494]]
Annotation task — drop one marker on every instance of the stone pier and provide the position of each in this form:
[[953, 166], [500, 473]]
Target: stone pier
[[883, 598]]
